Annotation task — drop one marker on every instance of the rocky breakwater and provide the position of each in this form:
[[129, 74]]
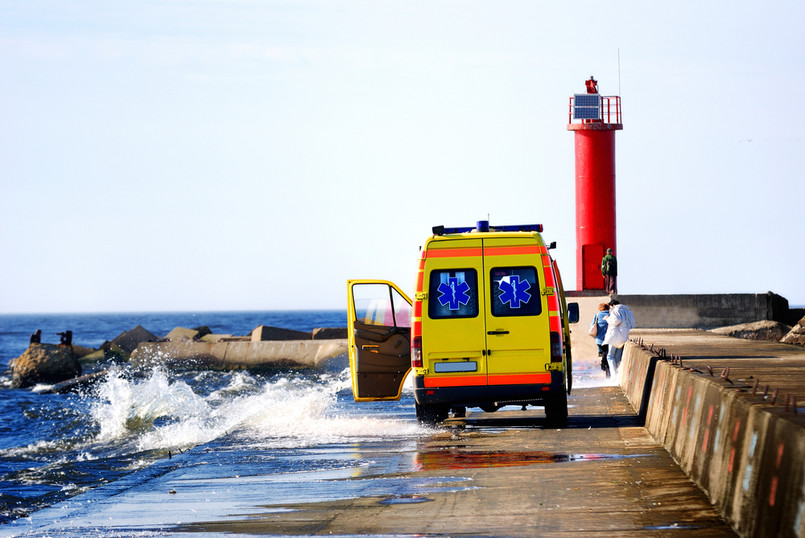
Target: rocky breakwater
[[265, 347]]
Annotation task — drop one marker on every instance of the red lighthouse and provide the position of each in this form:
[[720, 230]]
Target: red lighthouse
[[594, 118]]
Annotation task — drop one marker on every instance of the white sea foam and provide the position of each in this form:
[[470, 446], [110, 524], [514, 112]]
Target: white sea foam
[[585, 382], [290, 411]]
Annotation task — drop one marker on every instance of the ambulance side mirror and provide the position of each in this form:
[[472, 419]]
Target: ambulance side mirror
[[552, 245], [573, 312]]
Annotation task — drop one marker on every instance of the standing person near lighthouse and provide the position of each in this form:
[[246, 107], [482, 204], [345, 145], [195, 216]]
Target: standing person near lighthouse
[[609, 268]]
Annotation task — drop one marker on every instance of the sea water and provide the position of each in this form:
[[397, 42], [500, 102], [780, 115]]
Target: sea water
[[297, 427], [56, 446]]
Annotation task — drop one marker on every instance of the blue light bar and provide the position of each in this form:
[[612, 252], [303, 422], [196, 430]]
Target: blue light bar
[[517, 228], [483, 226]]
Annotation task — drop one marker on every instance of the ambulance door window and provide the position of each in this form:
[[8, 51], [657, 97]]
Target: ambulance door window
[[453, 294], [380, 304], [515, 291]]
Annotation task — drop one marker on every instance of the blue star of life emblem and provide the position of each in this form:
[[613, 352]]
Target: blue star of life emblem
[[514, 291], [454, 293]]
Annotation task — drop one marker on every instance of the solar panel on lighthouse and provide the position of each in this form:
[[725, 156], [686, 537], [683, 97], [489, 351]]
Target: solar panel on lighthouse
[[586, 106]]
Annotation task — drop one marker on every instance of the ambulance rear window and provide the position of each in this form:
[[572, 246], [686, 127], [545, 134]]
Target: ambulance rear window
[[453, 294], [515, 291]]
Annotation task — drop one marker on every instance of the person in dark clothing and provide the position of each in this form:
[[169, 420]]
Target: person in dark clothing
[[600, 326], [609, 268]]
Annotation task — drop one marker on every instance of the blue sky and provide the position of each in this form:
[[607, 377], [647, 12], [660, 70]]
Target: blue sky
[[227, 155]]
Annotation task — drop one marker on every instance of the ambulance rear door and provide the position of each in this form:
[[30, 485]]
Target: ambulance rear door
[[379, 338], [517, 326], [453, 324]]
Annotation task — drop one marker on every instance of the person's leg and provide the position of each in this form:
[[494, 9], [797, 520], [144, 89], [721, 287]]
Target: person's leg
[[611, 359], [616, 353], [603, 351]]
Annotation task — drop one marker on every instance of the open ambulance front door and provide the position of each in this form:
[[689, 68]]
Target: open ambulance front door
[[379, 333]]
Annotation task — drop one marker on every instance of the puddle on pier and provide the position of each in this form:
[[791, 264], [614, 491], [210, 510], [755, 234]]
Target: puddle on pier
[[405, 499], [452, 458]]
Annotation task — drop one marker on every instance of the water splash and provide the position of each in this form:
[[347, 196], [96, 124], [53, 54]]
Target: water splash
[[160, 413]]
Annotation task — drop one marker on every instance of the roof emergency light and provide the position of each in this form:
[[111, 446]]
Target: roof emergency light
[[483, 226]]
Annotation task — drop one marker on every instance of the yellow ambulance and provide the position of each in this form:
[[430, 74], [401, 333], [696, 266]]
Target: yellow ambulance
[[488, 327]]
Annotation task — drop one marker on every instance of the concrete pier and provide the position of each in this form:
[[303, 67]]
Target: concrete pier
[[729, 416]]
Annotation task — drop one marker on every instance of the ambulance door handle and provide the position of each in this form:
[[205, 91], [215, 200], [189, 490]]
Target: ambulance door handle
[[497, 332]]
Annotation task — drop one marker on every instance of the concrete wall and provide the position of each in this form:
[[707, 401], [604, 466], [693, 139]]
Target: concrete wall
[[747, 456], [706, 311], [236, 355]]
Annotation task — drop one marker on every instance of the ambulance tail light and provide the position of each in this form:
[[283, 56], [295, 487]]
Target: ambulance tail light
[[416, 352], [556, 347]]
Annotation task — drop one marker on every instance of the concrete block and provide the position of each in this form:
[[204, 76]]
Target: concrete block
[[216, 337], [264, 333], [235, 355], [329, 333], [182, 333], [180, 354], [129, 340]]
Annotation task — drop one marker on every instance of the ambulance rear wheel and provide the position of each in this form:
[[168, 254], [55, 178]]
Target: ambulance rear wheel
[[556, 410], [431, 414]]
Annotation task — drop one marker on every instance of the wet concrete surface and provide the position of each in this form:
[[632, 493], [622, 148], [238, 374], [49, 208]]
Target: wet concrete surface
[[498, 474], [501, 474]]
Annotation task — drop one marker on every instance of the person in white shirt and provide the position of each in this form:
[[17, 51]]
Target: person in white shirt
[[619, 322]]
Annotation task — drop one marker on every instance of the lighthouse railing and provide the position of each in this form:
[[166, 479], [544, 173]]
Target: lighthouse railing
[[609, 111]]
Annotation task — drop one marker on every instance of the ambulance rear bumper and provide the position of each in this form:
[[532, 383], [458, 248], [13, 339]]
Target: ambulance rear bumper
[[485, 395]]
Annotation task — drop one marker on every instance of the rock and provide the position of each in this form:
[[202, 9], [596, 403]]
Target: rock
[[796, 335], [95, 356], [81, 351], [202, 331], [182, 333], [129, 340], [44, 363], [264, 333], [218, 338], [329, 333], [771, 331]]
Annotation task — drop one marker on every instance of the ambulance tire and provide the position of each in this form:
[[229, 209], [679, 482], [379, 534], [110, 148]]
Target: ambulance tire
[[556, 411], [431, 414]]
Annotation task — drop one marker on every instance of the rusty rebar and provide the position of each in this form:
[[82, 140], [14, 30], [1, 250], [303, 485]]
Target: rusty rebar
[[774, 396]]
